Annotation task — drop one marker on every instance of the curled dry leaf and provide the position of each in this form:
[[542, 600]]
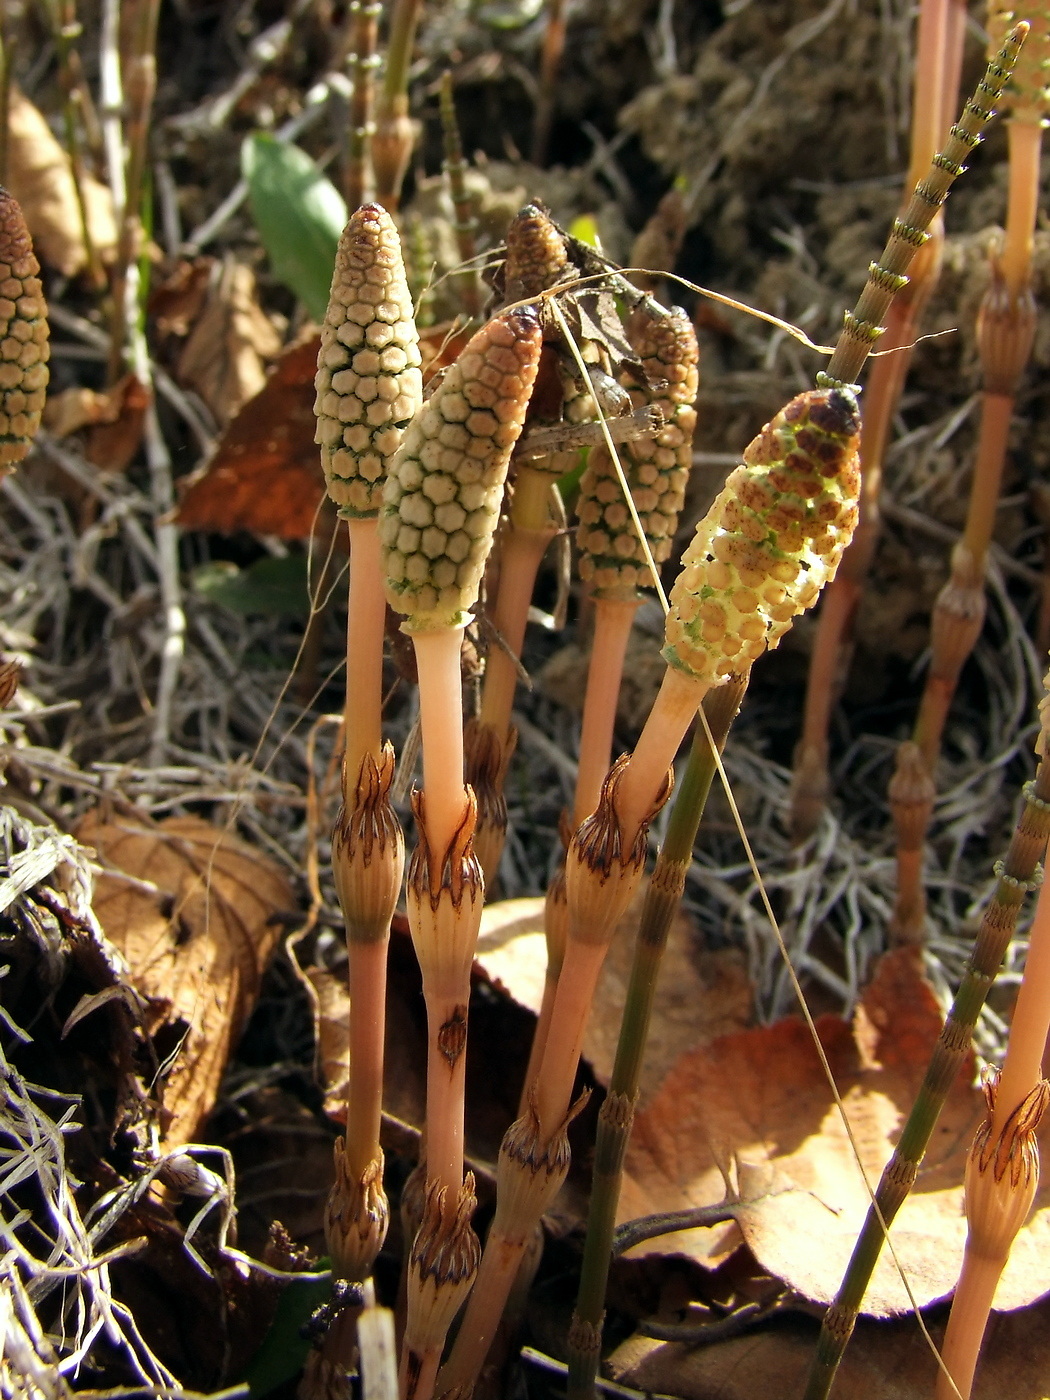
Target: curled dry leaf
[[197, 922], [225, 357], [756, 1106], [115, 417], [41, 179]]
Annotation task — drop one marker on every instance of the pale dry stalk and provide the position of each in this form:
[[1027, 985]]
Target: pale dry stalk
[[363, 16], [394, 134]]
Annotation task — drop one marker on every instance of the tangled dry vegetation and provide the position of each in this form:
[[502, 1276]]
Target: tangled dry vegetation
[[172, 1004]]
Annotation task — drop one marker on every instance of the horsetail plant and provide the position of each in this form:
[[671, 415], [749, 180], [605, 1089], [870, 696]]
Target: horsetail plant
[[616, 1117], [441, 508], [466, 225], [1002, 1171], [627, 519], [368, 386], [394, 135], [536, 260], [771, 539], [1005, 332], [1015, 875], [363, 19], [24, 348], [616, 561], [938, 59]]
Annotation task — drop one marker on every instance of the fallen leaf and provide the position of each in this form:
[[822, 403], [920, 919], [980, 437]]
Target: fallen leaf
[[196, 944], [756, 1105], [113, 440], [265, 475], [40, 177], [176, 302], [116, 414], [225, 357], [700, 995], [512, 949]]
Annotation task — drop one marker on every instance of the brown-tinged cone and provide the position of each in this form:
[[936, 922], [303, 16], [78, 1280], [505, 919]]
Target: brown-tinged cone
[[612, 560], [24, 348], [537, 256]]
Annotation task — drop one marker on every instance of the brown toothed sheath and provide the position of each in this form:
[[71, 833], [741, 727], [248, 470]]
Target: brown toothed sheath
[[24, 348], [770, 541], [441, 508], [368, 387]]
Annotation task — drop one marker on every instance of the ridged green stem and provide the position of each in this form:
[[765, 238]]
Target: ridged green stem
[[466, 225], [1016, 876], [863, 326], [617, 1114]]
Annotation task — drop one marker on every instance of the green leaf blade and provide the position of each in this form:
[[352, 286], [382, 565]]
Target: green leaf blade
[[299, 214]]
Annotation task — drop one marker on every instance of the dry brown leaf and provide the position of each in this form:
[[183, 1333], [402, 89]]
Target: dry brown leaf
[[757, 1105], [196, 948], [41, 179], [700, 995], [225, 357], [176, 301], [115, 416], [265, 475], [887, 1360]]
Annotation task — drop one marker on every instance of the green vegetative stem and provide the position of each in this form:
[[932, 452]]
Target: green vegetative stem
[[1016, 875], [662, 901]]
